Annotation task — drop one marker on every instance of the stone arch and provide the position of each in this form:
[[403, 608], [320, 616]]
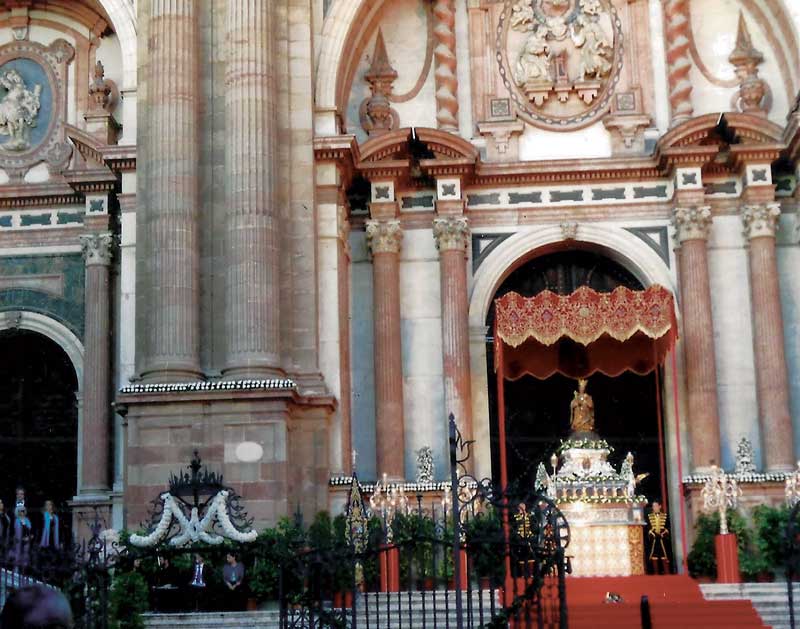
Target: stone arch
[[619, 245], [52, 329], [638, 258], [123, 19], [748, 128]]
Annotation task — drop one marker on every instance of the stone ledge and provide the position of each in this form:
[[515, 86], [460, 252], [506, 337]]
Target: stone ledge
[[218, 385]]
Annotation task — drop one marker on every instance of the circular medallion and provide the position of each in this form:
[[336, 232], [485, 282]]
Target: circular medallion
[[26, 106], [560, 60]]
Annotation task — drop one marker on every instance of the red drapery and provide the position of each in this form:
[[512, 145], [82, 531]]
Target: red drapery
[[585, 332]]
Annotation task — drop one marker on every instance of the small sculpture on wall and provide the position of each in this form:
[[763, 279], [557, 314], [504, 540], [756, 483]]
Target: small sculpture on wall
[[424, 465], [19, 109], [376, 114], [101, 89], [754, 95], [744, 458], [533, 62]]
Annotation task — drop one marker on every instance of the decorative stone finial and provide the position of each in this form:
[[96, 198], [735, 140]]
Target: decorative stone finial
[[376, 113], [744, 458], [754, 94], [100, 88], [692, 223], [424, 465], [760, 220]]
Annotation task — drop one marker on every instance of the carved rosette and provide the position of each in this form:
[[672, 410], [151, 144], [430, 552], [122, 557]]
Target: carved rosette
[[692, 223], [451, 233], [760, 220], [97, 248], [384, 236], [560, 60]]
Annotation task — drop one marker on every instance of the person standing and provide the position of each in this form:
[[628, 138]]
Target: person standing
[[198, 582], [233, 576], [657, 535], [5, 533], [22, 538], [50, 537]]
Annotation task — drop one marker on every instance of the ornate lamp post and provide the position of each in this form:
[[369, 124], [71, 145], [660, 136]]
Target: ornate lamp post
[[721, 492]]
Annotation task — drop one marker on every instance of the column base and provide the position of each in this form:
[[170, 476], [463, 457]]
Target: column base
[[171, 373], [253, 370], [781, 469]]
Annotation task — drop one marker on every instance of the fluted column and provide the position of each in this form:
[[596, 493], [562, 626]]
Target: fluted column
[[172, 258], [252, 260], [692, 225], [384, 238], [679, 62], [97, 365], [452, 237], [772, 381], [444, 54]]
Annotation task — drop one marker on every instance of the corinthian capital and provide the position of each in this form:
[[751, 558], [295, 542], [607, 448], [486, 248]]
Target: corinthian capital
[[760, 220], [96, 248], [451, 233], [384, 236], [692, 223]]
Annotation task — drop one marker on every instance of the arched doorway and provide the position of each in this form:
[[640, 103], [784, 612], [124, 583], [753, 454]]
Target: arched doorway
[[537, 411], [38, 419]]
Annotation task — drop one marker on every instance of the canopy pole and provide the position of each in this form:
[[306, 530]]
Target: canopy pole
[[680, 458], [501, 407], [661, 445]]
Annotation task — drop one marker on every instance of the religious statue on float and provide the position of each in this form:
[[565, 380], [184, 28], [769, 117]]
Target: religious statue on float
[[581, 410]]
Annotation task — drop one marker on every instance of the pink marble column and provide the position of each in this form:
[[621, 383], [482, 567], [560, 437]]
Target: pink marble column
[[252, 307], [384, 238], [679, 61], [97, 423], [445, 73], [170, 239], [772, 381], [692, 225], [452, 237]]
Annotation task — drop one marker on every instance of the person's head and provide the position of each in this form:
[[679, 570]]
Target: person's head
[[165, 562], [656, 506], [36, 607], [49, 507], [230, 558], [20, 493], [2, 507], [198, 558]]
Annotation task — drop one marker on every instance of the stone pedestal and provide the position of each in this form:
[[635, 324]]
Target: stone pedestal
[[384, 238], [727, 553], [692, 226], [390, 569]]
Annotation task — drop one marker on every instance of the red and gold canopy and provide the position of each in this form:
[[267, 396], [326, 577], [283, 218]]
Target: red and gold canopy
[[585, 332]]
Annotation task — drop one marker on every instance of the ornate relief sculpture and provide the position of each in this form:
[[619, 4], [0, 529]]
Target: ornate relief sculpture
[[19, 109], [567, 48]]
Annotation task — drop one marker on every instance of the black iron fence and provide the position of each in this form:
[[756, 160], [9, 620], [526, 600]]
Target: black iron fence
[[483, 556]]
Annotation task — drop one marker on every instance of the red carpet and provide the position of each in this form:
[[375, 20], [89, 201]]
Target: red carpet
[[675, 601]]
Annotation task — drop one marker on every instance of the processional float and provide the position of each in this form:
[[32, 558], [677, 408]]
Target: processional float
[[578, 335]]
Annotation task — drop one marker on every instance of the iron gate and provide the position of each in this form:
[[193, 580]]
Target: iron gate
[[484, 557]]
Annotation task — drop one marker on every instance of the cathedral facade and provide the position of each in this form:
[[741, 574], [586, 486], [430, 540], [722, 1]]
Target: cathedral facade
[[285, 223]]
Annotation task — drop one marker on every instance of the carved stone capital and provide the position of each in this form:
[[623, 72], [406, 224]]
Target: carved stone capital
[[760, 220], [692, 223], [97, 248], [384, 236], [451, 233]]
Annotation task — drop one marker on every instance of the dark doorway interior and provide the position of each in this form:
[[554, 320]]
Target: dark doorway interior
[[537, 411], [38, 420]]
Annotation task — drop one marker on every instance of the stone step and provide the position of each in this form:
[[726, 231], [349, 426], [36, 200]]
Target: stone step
[[771, 600]]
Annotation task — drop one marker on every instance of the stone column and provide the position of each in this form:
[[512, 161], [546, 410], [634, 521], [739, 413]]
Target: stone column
[[97, 365], [679, 62], [252, 253], [772, 381], [692, 225], [452, 237], [172, 255], [444, 53], [384, 238]]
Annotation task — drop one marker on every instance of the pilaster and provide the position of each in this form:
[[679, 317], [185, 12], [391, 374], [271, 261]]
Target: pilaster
[[384, 238]]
